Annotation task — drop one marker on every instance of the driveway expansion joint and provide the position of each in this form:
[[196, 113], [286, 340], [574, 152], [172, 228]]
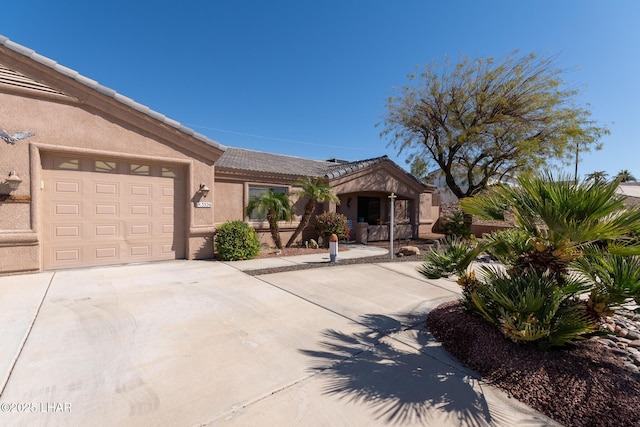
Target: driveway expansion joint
[[12, 365]]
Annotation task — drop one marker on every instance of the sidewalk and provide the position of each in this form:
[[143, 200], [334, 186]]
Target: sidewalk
[[353, 251]]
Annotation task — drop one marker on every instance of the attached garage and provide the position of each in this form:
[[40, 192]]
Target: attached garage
[[97, 178], [106, 211]]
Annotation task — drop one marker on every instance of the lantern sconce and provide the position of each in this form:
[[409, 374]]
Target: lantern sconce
[[13, 181], [204, 190]]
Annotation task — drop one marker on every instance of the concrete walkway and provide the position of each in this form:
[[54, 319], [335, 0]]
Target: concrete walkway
[[193, 343], [353, 251]]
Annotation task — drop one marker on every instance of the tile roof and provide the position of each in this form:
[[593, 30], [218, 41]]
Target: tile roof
[[233, 158], [4, 41], [258, 161]]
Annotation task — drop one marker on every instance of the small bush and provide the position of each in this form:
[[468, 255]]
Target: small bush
[[532, 308], [453, 225], [452, 257], [235, 240], [329, 223]]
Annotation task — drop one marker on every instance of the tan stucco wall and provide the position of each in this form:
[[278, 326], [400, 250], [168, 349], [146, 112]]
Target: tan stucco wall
[[232, 196], [229, 201], [381, 181], [65, 126]]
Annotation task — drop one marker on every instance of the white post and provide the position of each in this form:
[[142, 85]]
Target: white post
[[392, 198]]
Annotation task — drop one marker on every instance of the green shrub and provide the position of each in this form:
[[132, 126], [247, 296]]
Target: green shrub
[[616, 280], [235, 240], [453, 256], [454, 225], [531, 307]]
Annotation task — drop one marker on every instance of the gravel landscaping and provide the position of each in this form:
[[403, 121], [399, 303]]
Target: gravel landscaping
[[582, 385]]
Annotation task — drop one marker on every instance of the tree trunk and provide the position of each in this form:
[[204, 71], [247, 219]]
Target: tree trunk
[[275, 233], [308, 210], [467, 221]]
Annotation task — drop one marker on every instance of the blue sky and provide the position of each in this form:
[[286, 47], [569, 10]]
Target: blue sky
[[310, 78]]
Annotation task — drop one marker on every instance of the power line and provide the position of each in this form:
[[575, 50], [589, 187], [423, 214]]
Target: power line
[[275, 139]]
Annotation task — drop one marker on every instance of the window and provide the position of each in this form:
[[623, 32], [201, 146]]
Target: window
[[104, 166], [139, 169], [256, 191]]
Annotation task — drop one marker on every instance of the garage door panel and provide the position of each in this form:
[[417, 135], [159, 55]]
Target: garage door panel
[[108, 253], [99, 212], [140, 209], [66, 231], [137, 230], [63, 256], [140, 190], [67, 187], [140, 250], [105, 231], [67, 209], [167, 191], [106, 189], [107, 209]]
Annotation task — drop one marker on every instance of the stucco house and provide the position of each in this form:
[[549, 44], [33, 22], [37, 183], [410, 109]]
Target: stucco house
[[90, 177]]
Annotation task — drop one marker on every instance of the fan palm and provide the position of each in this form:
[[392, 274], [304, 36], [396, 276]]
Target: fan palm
[[558, 224], [276, 206], [315, 190], [561, 218], [596, 177], [625, 176]]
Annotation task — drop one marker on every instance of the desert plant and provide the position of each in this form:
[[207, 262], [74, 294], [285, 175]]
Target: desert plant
[[315, 190], [455, 225], [560, 218], [276, 206], [328, 223], [507, 245], [532, 308], [235, 240], [451, 257], [616, 280], [559, 225]]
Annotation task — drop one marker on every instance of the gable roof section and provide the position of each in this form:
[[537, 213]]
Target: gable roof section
[[17, 79], [258, 161]]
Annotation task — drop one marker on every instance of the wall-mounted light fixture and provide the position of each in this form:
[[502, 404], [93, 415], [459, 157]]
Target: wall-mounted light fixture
[[204, 190], [13, 181]]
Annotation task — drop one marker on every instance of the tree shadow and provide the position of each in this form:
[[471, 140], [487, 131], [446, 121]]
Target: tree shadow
[[400, 383]]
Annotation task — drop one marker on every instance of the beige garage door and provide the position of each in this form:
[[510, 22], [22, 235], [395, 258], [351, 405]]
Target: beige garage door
[[103, 211]]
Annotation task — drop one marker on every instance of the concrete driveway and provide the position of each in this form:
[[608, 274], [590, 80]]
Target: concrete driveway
[[191, 343]]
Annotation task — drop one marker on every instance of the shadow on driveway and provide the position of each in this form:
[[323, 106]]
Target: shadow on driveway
[[400, 384]]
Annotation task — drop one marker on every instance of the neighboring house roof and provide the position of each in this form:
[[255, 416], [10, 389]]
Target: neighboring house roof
[[631, 191], [21, 80]]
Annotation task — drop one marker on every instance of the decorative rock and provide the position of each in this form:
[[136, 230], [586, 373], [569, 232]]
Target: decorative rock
[[313, 244], [635, 344], [408, 250], [633, 335], [608, 342]]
